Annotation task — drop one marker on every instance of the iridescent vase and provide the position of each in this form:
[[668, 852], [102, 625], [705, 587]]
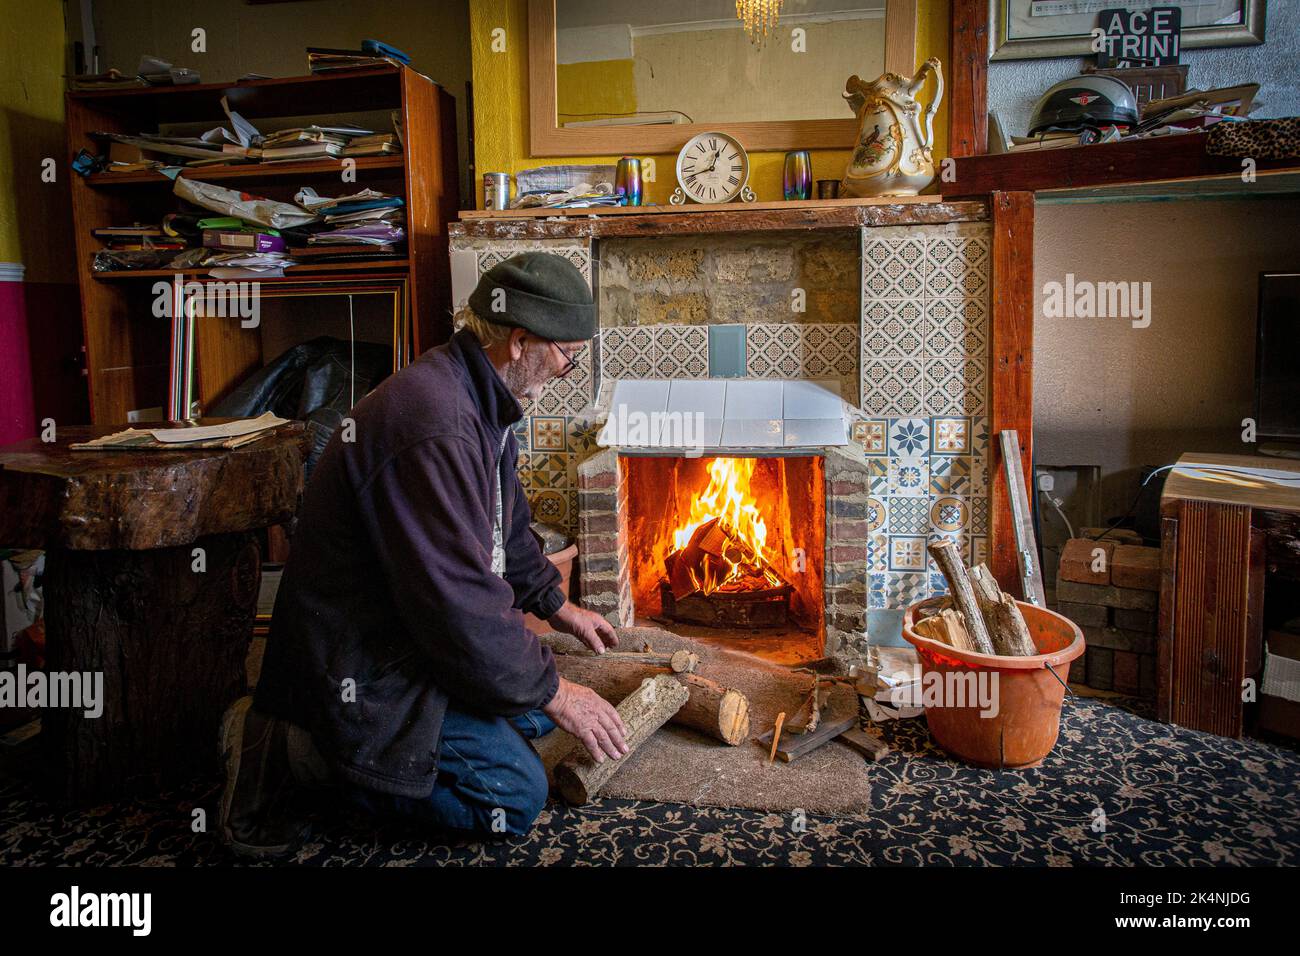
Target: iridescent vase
[[627, 181], [798, 175]]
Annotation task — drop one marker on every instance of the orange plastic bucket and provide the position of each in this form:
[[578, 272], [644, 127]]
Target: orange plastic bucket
[[1028, 698]]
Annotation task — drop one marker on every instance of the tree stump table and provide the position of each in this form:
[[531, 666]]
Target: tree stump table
[[152, 571]]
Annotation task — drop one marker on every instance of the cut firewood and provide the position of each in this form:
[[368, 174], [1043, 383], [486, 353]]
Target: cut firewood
[[793, 746], [715, 710], [946, 627], [806, 717], [681, 662], [579, 777], [1006, 625], [775, 734], [945, 555], [873, 748], [718, 711], [684, 662]]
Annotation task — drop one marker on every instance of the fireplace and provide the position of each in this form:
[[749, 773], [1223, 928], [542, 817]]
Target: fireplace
[[729, 542], [763, 550]]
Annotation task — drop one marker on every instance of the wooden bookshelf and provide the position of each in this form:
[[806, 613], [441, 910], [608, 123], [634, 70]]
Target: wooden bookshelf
[[127, 348]]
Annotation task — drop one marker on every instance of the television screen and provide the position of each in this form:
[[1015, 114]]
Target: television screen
[[1277, 356]]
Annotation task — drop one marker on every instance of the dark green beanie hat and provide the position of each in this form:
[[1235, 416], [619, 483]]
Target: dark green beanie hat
[[537, 291]]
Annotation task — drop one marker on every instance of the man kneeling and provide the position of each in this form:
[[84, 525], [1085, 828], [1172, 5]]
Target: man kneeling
[[399, 669]]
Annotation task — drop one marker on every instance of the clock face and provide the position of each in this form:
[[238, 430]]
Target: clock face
[[712, 167]]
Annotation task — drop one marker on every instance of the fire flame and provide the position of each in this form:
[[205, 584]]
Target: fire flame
[[728, 499]]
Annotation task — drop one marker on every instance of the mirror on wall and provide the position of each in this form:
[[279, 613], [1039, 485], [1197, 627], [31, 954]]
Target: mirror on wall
[[629, 63]]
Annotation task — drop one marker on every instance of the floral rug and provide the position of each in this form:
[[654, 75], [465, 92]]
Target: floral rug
[[1118, 790]]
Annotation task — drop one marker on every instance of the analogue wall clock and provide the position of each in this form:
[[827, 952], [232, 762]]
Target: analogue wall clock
[[712, 168]]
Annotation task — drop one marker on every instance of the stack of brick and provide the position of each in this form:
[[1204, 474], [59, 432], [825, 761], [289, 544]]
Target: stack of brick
[[1111, 589]]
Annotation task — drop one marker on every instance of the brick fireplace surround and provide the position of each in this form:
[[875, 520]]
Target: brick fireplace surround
[[895, 307]]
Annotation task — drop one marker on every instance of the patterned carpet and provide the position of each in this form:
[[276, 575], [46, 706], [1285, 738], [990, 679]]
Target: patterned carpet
[[1119, 790]]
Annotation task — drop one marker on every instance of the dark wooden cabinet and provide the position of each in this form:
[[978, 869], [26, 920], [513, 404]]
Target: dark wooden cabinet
[[127, 348]]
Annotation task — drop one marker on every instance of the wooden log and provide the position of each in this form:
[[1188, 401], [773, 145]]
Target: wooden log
[[949, 561], [579, 777], [947, 627], [717, 711], [873, 748], [792, 746], [1006, 625], [680, 662]]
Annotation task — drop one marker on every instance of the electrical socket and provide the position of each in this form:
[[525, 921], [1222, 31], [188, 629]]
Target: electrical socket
[[1046, 481]]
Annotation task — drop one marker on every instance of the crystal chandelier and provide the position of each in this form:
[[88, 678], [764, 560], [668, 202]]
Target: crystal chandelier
[[759, 17]]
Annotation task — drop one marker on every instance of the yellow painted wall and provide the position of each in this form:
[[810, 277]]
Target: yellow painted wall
[[596, 89], [34, 215], [501, 104]]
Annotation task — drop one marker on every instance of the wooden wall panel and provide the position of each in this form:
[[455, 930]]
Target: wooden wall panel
[[968, 69], [1011, 364]]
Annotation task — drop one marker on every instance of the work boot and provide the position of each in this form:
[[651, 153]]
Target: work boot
[[257, 807]]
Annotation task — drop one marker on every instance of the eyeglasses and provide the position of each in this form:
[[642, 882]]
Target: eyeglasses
[[570, 364]]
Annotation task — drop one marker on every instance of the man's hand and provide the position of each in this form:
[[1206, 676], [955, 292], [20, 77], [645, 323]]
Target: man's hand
[[588, 626], [593, 720]]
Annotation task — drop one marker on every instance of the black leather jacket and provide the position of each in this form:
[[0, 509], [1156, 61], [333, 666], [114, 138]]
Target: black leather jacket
[[310, 382]]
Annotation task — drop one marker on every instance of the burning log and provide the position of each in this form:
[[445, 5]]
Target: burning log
[[717, 711], [579, 778]]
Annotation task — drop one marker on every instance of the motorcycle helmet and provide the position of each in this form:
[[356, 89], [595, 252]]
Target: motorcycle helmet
[[1087, 101]]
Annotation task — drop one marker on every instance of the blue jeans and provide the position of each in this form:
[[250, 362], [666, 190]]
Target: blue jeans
[[490, 781]]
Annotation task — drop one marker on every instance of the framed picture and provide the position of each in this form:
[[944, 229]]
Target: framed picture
[[1026, 29]]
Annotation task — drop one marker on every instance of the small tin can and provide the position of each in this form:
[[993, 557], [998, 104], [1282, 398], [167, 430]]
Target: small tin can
[[496, 190], [627, 181]]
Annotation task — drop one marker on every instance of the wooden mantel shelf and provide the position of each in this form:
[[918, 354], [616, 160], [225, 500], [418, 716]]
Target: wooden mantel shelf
[[1124, 168], [725, 217]]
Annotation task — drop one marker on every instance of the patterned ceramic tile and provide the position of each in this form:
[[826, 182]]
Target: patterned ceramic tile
[[949, 514], [582, 436], [950, 436], [580, 256], [938, 585], [893, 389], [979, 549], [979, 430], [979, 514], [818, 351], [555, 506], [909, 515], [907, 552], [956, 266], [979, 474], [548, 434], [878, 476], [956, 328], [627, 353], [878, 594], [876, 514], [908, 476], [552, 470], [892, 268], [950, 474], [909, 436], [904, 589], [955, 386], [893, 329], [877, 552], [680, 351], [871, 435]]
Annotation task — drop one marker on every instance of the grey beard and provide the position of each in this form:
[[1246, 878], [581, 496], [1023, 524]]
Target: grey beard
[[524, 374]]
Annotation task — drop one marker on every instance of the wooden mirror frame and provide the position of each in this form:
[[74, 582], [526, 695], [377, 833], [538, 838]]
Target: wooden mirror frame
[[547, 138]]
